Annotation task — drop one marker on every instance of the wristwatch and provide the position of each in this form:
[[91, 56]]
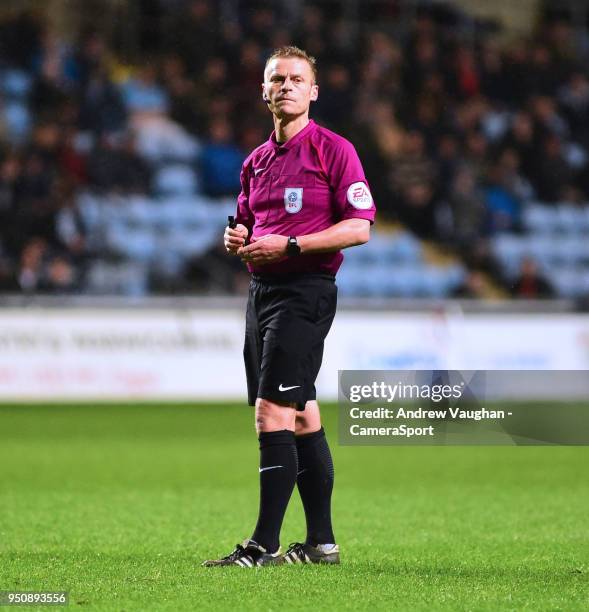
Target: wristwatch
[[292, 247]]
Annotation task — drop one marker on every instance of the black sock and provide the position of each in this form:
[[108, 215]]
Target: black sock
[[315, 482], [278, 474]]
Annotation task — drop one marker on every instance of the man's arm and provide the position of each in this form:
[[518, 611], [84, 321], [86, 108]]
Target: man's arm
[[235, 237], [346, 233]]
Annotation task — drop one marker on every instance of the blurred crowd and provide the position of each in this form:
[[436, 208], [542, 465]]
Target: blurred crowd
[[456, 126]]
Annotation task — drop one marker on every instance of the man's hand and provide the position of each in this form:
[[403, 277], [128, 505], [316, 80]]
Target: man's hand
[[235, 238], [265, 249]]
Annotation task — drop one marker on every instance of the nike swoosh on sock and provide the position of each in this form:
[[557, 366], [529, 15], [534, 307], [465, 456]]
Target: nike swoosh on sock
[[272, 467]]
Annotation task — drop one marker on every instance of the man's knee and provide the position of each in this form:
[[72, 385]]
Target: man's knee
[[309, 420], [271, 416]]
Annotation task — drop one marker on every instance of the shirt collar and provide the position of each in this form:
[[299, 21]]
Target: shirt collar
[[291, 142]]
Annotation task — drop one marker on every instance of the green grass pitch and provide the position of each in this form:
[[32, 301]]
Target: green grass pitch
[[119, 505]]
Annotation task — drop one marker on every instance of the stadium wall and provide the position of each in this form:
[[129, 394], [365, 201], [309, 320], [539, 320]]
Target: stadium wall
[[188, 354]]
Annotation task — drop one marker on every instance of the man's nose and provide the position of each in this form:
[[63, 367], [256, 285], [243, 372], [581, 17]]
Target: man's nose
[[286, 84]]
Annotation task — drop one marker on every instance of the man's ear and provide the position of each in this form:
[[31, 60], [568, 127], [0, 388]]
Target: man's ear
[[264, 96], [314, 92]]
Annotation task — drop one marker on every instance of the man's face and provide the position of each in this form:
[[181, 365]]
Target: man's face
[[289, 86]]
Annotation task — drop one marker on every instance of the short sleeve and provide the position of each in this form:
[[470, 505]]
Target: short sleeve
[[351, 192], [244, 214]]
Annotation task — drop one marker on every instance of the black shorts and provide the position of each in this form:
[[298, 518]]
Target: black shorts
[[287, 321]]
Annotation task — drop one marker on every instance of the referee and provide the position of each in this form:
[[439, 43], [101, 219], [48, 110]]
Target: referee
[[304, 197]]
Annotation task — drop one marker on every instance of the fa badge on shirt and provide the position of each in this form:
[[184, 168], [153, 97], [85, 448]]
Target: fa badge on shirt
[[293, 199]]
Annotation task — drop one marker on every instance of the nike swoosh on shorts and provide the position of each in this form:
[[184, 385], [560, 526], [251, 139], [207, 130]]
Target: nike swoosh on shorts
[[281, 388]]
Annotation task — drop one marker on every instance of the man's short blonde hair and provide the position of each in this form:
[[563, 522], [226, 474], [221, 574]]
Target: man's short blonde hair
[[292, 51]]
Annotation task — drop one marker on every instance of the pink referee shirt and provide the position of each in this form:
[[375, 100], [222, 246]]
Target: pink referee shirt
[[303, 186]]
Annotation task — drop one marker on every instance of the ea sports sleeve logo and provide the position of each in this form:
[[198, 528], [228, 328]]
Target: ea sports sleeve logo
[[359, 196], [293, 199]]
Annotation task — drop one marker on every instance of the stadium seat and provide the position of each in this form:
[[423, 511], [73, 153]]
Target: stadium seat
[[91, 210], [569, 250], [136, 243], [161, 140], [569, 218], [352, 281], [584, 283], [140, 210], [584, 220], [190, 240], [15, 84], [363, 255], [541, 248], [569, 282], [222, 207], [175, 179], [509, 250], [539, 218], [128, 278], [557, 240], [169, 261], [401, 247], [178, 212], [433, 282], [17, 121], [401, 281], [406, 248], [138, 96], [438, 281]]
